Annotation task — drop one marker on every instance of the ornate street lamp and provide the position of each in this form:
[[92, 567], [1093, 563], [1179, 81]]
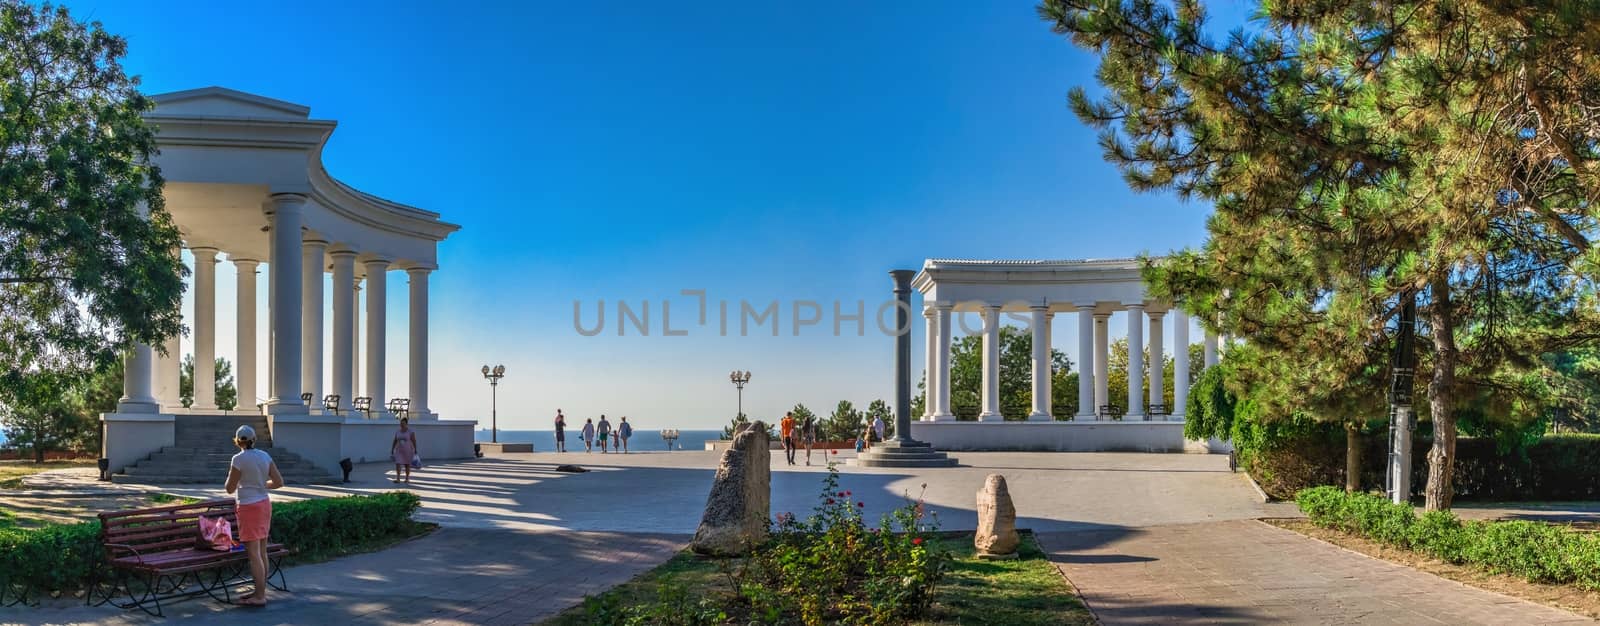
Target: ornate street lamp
[[494, 376], [739, 379], [670, 435]]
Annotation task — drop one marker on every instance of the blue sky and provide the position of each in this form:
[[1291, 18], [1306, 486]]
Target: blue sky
[[757, 150]]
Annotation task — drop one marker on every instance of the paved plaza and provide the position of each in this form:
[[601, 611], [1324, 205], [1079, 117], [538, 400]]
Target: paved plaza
[[1147, 538]]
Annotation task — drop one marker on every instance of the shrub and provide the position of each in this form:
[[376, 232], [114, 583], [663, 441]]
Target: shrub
[[63, 558], [832, 568], [1535, 551]]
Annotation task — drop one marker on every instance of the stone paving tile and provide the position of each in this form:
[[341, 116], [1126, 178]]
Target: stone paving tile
[[1244, 571], [453, 576]]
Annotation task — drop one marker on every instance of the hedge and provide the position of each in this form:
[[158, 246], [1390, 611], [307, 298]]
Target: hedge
[[62, 558], [1556, 467], [1535, 551]]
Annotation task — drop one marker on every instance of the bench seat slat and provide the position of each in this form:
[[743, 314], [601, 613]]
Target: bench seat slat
[[178, 561], [165, 517]]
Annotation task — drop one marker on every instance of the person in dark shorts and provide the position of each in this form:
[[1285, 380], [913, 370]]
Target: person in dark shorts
[[603, 432], [561, 432], [786, 429], [808, 434]]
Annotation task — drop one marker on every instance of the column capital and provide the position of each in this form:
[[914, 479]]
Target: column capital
[[342, 253], [929, 311], [991, 307], [1039, 308], [1101, 317], [943, 307], [284, 203], [246, 263], [313, 242], [204, 252], [1134, 306], [378, 262], [1156, 315], [414, 271]]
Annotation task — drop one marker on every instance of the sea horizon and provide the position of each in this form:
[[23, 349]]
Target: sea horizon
[[642, 440]]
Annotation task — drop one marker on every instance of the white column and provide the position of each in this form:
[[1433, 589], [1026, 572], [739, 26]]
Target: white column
[[377, 365], [205, 329], [1135, 362], [1040, 323], [418, 372], [312, 257], [244, 372], [168, 374], [1158, 361], [942, 389], [1211, 348], [136, 381], [1102, 354], [991, 365], [284, 293], [344, 337], [1180, 363], [930, 374], [1086, 361], [355, 341]]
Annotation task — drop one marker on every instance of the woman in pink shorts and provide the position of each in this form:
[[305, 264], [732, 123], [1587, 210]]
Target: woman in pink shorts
[[251, 474]]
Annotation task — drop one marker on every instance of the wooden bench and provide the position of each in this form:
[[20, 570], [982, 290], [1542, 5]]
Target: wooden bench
[[154, 555], [331, 403], [400, 407], [307, 397], [1157, 410], [362, 404], [1110, 411]]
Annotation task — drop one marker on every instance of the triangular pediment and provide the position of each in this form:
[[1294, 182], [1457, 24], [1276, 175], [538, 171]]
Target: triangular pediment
[[224, 102]]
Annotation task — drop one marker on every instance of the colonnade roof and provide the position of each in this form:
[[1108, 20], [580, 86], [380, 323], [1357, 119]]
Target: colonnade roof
[[1060, 285], [225, 153]]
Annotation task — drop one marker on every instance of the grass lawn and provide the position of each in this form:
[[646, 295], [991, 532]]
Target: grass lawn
[[1021, 592], [11, 472]]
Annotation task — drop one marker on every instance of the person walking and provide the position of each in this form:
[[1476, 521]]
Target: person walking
[[877, 427], [251, 474], [605, 433], [588, 434], [808, 434], [624, 431], [561, 432], [403, 449], [786, 428]]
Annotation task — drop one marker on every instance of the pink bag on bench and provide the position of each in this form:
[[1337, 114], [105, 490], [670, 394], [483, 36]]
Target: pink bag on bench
[[216, 533]]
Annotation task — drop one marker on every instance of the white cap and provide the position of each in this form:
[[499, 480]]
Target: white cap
[[245, 432]]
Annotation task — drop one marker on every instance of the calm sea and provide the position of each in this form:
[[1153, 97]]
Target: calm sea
[[643, 440]]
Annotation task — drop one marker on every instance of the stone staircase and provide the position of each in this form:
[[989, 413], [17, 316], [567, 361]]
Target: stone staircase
[[203, 448]]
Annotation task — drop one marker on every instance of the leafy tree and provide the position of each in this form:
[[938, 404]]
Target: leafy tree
[[880, 409], [86, 246], [1016, 371], [1356, 153], [227, 395]]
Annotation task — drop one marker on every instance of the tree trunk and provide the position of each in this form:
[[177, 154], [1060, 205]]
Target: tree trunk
[[1441, 398], [1352, 458]]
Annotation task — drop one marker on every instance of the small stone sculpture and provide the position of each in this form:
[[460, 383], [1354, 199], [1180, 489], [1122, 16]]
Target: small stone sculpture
[[997, 521]]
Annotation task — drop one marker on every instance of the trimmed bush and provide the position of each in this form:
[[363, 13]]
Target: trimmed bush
[[1299, 456], [63, 557], [1535, 551]]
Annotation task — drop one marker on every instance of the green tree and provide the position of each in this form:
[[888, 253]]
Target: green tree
[[880, 409], [227, 395], [1016, 371], [843, 423], [1355, 153], [86, 246]]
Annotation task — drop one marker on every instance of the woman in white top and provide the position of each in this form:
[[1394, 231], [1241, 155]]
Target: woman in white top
[[250, 475]]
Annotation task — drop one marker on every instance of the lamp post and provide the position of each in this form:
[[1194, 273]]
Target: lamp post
[[494, 376], [739, 379]]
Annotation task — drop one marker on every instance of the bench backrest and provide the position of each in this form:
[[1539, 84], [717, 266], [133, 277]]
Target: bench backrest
[[331, 402], [160, 529], [362, 403], [399, 404]]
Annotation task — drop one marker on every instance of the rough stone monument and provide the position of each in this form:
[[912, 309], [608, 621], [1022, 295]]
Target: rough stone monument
[[997, 521], [740, 504]]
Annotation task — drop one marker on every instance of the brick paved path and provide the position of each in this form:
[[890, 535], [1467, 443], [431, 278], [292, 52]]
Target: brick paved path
[[453, 576], [1244, 571]]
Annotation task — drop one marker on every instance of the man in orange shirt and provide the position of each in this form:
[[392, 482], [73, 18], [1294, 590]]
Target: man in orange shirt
[[786, 428]]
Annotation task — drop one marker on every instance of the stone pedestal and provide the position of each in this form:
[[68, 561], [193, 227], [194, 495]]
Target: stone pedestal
[[894, 453]]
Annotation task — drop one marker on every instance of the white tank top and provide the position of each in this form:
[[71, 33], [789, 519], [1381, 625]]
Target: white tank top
[[254, 466]]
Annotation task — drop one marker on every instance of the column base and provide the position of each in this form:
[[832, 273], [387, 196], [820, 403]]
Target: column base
[[203, 407], [1085, 417], [277, 407], [988, 416], [139, 407], [943, 417], [1041, 417]]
